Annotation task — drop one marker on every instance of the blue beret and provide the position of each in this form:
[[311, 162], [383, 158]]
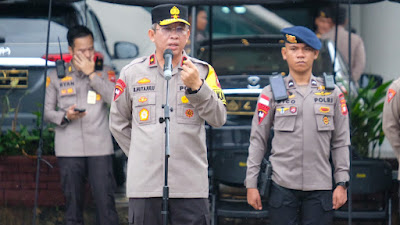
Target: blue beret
[[299, 34]]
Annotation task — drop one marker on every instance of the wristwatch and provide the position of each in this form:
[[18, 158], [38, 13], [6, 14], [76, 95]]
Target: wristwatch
[[65, 119], [344, 184], [190, 91]]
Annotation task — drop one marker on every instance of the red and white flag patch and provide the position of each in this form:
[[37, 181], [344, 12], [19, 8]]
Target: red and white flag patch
[[119, 89], [262, 107], [391, 94]]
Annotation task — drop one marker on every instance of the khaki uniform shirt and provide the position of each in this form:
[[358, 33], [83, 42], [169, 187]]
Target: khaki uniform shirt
[[358, 58], [134, 121], [307, 129], [90, 135], [391, 118]]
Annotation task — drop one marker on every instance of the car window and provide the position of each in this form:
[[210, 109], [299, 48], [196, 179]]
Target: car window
[[17, 20], [238, 20]]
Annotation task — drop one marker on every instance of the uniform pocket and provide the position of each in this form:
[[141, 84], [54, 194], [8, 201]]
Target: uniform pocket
[[285, 118], [324, 116], [186, 112], [144, 108], [67, 100], [326, 200]]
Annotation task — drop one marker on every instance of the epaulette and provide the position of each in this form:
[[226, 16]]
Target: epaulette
[[135, 61], [194, 60]]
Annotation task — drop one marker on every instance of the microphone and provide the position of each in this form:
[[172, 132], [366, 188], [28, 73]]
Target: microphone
[[168, 64]]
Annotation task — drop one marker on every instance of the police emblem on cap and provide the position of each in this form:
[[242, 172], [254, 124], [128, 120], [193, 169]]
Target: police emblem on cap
[[322, 14], [174, 12], [300, 34], [291, 38]]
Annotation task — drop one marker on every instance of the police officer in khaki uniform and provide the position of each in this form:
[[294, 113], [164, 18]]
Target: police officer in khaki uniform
[[358, 56], [83, 143], [391, 120], [309, 126], [195, 96]]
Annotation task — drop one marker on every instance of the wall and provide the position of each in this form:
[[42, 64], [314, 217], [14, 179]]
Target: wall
[[378, 25], [17, 182]]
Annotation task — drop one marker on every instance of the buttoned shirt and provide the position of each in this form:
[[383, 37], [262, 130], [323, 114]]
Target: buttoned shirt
[[134, 121], [308, 128], [89, 135]]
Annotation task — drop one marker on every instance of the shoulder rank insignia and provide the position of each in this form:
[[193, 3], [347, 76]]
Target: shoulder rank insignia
[[152, 60], [184, 58], [313, 83], [290, 83]]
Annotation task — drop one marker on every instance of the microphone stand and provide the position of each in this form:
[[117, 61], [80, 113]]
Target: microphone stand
[[166, 118]]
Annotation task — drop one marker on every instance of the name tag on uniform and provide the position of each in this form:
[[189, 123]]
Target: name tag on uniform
[[91, 97]]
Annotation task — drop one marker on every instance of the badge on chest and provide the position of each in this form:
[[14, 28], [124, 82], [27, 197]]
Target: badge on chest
[[67, 86]]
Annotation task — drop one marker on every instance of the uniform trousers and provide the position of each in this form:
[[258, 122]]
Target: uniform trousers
[[182, 211], [75, 171], [294, 207]]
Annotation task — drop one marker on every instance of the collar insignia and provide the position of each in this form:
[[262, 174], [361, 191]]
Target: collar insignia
[[152, 60]]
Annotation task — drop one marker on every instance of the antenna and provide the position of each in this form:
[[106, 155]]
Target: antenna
[[59, 45]]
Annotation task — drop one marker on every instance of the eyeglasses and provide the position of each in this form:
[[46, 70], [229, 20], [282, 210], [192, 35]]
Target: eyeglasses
[[168, 30]]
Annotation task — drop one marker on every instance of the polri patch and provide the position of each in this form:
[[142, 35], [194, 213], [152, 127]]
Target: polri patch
[[391, 94], [262, 107], [119, 89]]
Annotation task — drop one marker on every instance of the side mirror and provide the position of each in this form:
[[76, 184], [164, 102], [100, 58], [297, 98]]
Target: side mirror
[[125, 50], [367, 78]]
